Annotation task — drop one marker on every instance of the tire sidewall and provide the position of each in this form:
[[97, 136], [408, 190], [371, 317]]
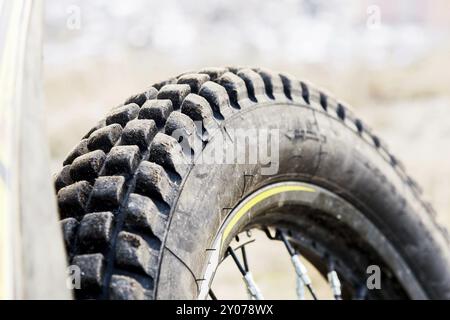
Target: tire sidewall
[[314, 147]]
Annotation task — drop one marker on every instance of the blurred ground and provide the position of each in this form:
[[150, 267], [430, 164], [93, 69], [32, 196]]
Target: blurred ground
[[395, 73]]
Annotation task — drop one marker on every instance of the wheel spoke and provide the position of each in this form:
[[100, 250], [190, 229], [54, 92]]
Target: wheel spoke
[[334, 282], [236, 260], [300, 288], [300, 269], [244, 258], [252, 288], [269, 235], [212, 295]]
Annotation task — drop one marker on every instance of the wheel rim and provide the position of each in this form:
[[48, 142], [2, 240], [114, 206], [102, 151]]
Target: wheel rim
[[291, 208]]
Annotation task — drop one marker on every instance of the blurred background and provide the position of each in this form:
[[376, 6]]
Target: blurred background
[[390, 60]]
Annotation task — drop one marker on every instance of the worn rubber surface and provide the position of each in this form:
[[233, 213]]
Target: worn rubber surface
[[138, 217]]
